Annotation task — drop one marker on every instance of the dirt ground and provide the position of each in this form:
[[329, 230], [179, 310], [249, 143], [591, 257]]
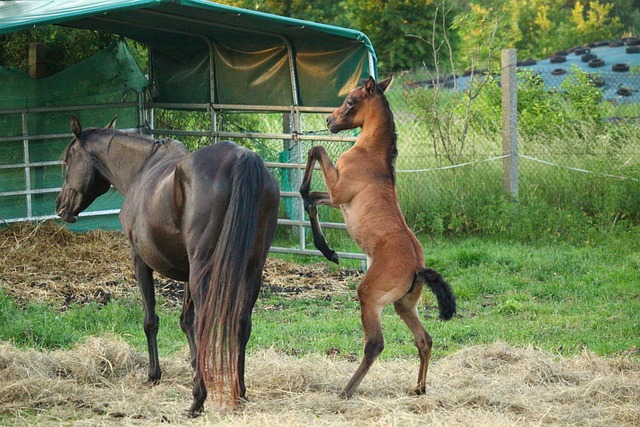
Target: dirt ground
[[102, 380]]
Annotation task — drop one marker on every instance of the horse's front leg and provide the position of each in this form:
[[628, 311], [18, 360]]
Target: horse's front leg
[[312, 199], [144, 275]]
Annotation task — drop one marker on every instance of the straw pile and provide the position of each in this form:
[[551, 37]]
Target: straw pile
[[47, 262], [102, 382]]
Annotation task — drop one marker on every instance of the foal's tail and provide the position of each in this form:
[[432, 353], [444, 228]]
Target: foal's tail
[[228, 294], [442, 290]]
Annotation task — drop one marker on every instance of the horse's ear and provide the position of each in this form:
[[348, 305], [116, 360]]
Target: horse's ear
[[112, 123], [370, 85], [76, 127], [384, 85]]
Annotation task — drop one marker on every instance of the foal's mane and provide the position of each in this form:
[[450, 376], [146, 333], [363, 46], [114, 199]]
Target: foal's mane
[[393, 149]]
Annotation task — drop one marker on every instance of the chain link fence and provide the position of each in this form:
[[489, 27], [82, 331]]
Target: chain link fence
[[578, 151]]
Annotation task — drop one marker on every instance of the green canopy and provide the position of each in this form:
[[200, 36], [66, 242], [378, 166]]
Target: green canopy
[[204, 52]]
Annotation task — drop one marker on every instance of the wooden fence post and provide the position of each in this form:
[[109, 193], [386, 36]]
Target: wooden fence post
[[36, 60], [510, 122]]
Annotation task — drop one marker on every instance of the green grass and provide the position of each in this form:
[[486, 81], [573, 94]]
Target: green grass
[[557, 296]]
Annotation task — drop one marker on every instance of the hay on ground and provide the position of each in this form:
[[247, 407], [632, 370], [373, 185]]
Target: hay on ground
[[102, 381], [47, 262]]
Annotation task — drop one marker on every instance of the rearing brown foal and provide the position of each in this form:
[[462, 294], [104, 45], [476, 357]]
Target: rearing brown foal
[[363, 186]]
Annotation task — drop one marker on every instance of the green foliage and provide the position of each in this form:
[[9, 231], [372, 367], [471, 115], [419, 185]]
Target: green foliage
[[402, 31], [566, 126], [397, 28], [583, 95], [63, 46], [481, 31], [536, 28]]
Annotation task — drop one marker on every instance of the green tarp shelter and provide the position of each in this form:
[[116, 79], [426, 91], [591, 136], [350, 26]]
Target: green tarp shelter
[[204, 52], [203, 57]]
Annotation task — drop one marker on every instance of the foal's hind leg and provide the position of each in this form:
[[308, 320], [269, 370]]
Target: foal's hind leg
[[373, 297], [373, 344], [406, 309], [144, 275]]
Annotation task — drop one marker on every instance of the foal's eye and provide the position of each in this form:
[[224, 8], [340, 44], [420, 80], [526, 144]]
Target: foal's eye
[[350, 102]]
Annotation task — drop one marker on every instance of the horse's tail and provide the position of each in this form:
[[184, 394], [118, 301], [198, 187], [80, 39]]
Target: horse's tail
[[442, 290], [227, 296]]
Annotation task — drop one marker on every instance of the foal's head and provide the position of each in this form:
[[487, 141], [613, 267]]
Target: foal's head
[[83, 183], [360, 102]]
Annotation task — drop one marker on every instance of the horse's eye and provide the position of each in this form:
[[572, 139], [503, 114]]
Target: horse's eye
[[350, 102]]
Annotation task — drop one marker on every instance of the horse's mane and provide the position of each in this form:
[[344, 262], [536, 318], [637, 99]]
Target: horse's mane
[[132, 138]]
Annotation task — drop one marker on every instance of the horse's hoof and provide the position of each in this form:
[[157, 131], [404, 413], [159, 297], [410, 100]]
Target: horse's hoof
[[195, 412], [192, 415], [344, 395], [334, 257]]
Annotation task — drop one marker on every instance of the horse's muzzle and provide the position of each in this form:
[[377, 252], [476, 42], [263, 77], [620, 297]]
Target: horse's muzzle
[[66, 215], [63, 209]]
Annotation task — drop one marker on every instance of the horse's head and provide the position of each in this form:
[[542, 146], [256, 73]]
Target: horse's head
[[360, 102], [83, 183]]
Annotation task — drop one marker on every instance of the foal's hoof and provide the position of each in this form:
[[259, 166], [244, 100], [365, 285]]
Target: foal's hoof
[[333, 257], [418, 391]]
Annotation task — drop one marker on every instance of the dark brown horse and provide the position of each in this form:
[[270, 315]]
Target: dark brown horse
[[206, 218], [363, 186]]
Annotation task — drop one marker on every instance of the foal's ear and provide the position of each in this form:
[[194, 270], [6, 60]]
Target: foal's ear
[[384, 85], [76, 127], [370, 85], [112, 123]]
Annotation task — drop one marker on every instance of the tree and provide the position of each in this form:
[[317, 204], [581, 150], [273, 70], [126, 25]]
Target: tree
[[393, 26], [593, 22], [536, 28], [330, 12], [63, 46], [397, 27]]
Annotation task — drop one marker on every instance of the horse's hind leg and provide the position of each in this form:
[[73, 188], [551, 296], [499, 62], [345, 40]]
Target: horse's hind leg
[[144, 275], [370, 312], [199, 393], [406, 309], [187, 318]]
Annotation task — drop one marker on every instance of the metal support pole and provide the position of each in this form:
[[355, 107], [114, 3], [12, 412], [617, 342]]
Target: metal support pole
[[27, 163]]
